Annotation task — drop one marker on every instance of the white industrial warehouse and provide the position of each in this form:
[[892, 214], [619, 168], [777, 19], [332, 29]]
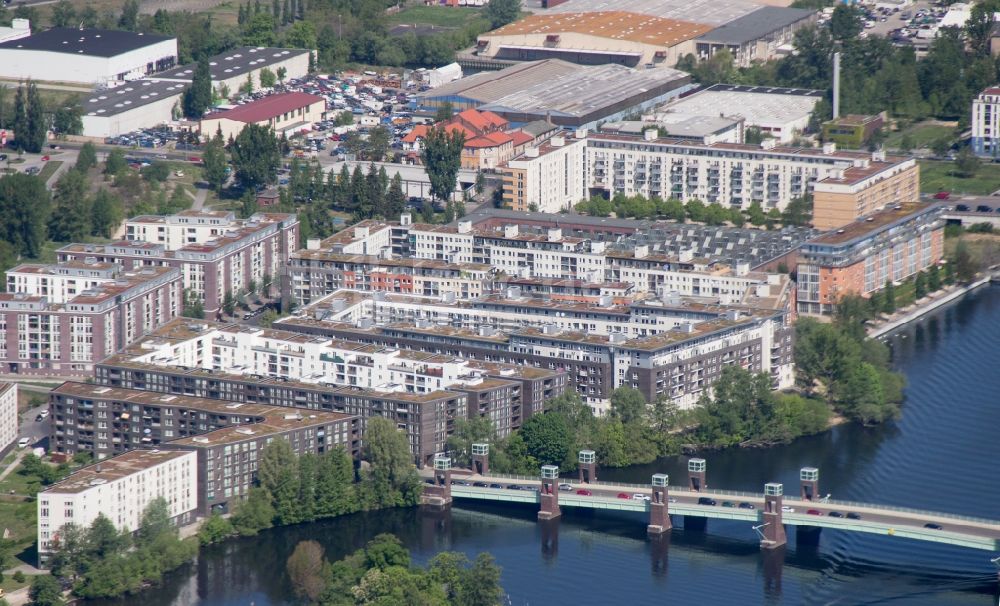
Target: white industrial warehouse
[[104, 58]]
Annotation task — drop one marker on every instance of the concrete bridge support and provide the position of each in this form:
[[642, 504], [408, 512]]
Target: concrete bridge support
[[587, 464], [809, 481], [773, 527], [774, 563], [550, 538], [439, 493], [659, 550], [549, 493], [696, 523], [481, 459], [659, 512], [696, 474]]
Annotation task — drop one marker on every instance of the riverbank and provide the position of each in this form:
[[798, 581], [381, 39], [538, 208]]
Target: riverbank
[[922, 307]]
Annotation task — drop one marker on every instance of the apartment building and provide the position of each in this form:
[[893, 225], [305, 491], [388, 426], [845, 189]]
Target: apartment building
[[861, 257], [8, 416], [422, 393], [119, 488], [545, 178], [59, 320], [671, 345], [216, 252], [844, 184], [986, 123]]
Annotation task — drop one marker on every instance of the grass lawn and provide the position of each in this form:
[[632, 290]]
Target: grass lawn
[[921, 134], [20, 485], [9, 584], [20, 518], [440, 16], [49, 169], [938, 176]]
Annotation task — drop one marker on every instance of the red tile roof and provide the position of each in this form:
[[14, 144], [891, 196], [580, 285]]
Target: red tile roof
[[489, 140], [482, 121], [521, 138], [269, 107], [419, 132]]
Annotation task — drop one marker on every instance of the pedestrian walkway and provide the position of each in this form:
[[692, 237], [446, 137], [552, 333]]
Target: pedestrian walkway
[[17, 461]]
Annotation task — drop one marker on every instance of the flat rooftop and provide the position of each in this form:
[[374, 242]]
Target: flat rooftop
[[756, 25], [756, 104], [872, 224], [614, 24], [112, 469], [130, 96], [679, 125], [91, 42], [712, 12], [236, 62]]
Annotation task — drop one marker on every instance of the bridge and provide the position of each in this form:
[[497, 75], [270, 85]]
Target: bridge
[[768, 512]]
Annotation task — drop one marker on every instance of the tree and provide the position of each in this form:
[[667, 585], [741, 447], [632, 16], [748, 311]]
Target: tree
[[941, 147], [25, 207], [45, 591], [889, 297], [229, 303], [278, 473], [965, 268], [216, 528], [481, 585], [444, 112], [335, 492], [68, 120], [695, 210], [253, 514], [214, 160], [259, 30], [442, 158], [391, 478], [71, 221], [267, 78], [107, 213], [198, 97], [283, 73], [861, 395], [502, 12], [753, 136], [756, 214], [87, 158], [30, 124], [115, 163], [845, 23], [63, 14], [548, 439], [255, 156], [306, 570], [933, 278], [377, 144], [194, 307], [130, 16], [628, 405], [966, 163], [798, 211], [395, 198], [920, 286]]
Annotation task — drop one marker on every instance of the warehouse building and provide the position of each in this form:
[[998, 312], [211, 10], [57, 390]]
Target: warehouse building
[[593, 38], [101, 57], [232, 69], [138, 104], [285, 113], [779, 113], [563, 93], [761, 35], [712, 12], [18, 28]]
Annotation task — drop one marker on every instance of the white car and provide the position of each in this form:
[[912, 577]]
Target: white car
[[44, 413], [640, 497], [787, 509], [23, 442], [565, 487]]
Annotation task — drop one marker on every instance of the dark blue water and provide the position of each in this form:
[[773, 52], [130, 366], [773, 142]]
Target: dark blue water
[[942, 455]]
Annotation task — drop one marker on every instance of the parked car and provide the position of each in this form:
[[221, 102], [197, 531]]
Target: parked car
[[23, 442], [43, 412], [942, 195], [45, 158]]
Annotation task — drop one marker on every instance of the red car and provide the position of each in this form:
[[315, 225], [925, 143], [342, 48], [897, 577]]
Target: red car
[[622, 495], [194, 159], [942, 195], [584, 492], [814, 512], [45, 158]]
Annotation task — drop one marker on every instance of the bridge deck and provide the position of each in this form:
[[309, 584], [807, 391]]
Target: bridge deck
[[875, 519]]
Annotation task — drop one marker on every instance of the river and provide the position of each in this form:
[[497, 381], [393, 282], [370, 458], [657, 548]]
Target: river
[[941, 455]]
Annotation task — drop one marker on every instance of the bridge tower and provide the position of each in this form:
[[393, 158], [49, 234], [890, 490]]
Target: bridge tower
[[439, 493], [659, 513], [774, 528], [481, 459], [587, 463], [696, 474], [549, 494], [809, 477]]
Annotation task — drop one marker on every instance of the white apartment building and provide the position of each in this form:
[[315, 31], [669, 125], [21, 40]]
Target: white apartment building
[[180, 230], [986, 123], [8, 415], [547, 178], [120, 488], [62, 282], [733, 175]]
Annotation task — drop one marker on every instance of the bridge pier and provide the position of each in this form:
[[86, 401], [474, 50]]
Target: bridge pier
[[587, 464], [550, 538], [774, 564], [434, 523], [439, 493], [773, 527], [659, 550], [659, 512], [809, 481], [695, 523], [696, 474], [481, 459], [548, 495]]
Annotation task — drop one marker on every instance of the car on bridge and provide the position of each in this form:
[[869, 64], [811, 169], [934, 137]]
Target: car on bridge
[[745, 505], [565, 487], [982, 208], [495, 485], [707, 501], [584, 492], [835, 514], [480, 484], [932, 526], [640, 497], [787, 509], [623, 495], [460, 483], [814, 512], [853, 516], [728, 504], [962, 208]]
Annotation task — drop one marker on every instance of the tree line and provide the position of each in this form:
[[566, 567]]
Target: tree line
[[101, 561], [32, 118], [797, 212], [292, 489], [382, 572]]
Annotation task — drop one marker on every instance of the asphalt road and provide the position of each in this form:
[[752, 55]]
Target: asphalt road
[[38, 431]]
